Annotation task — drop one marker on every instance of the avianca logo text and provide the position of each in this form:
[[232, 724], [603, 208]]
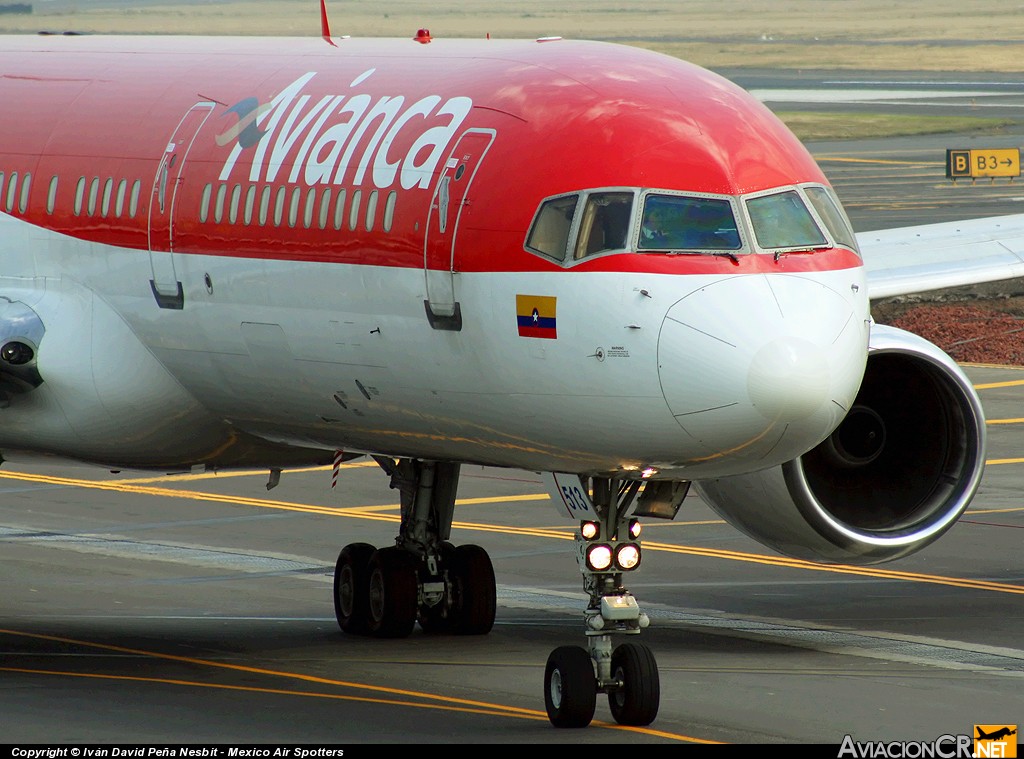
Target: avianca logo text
[[340, 139]]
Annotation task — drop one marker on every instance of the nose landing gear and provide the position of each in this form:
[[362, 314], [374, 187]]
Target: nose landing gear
[[628, 673], [606, 549]]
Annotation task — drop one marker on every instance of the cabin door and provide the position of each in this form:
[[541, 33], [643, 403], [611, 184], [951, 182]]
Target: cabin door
[[170, 175], [450, 207]]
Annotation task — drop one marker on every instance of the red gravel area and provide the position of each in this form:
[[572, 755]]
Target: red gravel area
[[969, 333]]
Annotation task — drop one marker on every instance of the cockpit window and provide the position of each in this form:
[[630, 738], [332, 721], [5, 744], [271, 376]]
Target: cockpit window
[[782, 220], [550, 232], [673, 222], [605, 222], [832, 214]]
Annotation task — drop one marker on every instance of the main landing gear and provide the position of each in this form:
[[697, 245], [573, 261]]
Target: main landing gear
[[607, 548], [422, 578]]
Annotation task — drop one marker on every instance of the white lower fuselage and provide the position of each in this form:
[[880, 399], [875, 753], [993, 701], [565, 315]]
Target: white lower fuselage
[[693, 376]]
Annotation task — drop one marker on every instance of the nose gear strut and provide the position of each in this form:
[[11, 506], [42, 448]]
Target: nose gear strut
[[605, 549]]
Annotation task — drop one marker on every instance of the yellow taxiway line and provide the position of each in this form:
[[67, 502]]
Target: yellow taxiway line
[[387, 695], [389, 513]]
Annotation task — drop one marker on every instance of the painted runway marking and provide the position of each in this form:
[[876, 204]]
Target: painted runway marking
[[991, 385], [373, 513], [497, 711], [1011, 367], [879, 161], [188, 476], [885, 574], [428, 700], [887, 95]]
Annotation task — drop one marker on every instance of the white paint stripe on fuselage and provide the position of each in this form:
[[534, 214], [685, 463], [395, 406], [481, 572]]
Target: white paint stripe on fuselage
[[356, 365]]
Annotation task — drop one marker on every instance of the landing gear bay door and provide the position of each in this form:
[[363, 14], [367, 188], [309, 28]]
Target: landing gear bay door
[[570, 498]]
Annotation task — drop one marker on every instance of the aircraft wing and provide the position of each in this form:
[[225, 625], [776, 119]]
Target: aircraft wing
[[936, 256]]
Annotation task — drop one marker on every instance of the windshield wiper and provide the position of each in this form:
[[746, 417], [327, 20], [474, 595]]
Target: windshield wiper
[[802, 251], [726, 254], [682, 252]]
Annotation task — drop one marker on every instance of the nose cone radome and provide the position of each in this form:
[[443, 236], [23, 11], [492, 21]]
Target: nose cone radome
[[789, 379], [761, 368]]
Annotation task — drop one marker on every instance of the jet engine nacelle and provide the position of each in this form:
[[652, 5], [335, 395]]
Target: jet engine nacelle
[[894, 476]]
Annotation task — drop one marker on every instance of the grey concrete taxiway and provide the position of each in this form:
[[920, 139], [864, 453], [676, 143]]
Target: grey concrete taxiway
[[172, 610]]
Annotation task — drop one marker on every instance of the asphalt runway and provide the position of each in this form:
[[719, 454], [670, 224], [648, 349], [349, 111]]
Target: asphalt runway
[[902, 181], [197, 609]]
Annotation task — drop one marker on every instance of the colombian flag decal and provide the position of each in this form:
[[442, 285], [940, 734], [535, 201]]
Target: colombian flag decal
[[536, 316]]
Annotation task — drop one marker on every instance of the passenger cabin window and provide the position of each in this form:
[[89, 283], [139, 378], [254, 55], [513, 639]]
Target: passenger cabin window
[[122, 190], [94, 193], [307, 214], [79, 195], [12, 191], [782, 220], [265, 203], [293, 207], [325, 207], [339, 210], [389, 210], [250, 203], [353, 211], [604, 225], [204, 203], [236, 198], [108, 194], [676, 222], [218, 209], [279, 205], [26, 183], [550, 232], [133, 201], [51, 196], [371, 210]]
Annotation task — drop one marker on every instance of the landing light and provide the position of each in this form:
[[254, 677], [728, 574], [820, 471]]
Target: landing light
[[599, 557], [590, 530], [634, 528], [627, 556]]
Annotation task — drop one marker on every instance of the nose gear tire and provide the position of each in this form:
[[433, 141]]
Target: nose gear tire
[[570, 687], [636, 702]]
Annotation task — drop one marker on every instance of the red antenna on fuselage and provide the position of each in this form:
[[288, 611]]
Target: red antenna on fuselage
[[325, 28]]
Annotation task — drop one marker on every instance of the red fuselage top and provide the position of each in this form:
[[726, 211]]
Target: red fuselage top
[[370, 116]]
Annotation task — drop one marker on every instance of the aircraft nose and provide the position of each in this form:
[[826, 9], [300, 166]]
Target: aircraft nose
[[761, 368], [789, 379]]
